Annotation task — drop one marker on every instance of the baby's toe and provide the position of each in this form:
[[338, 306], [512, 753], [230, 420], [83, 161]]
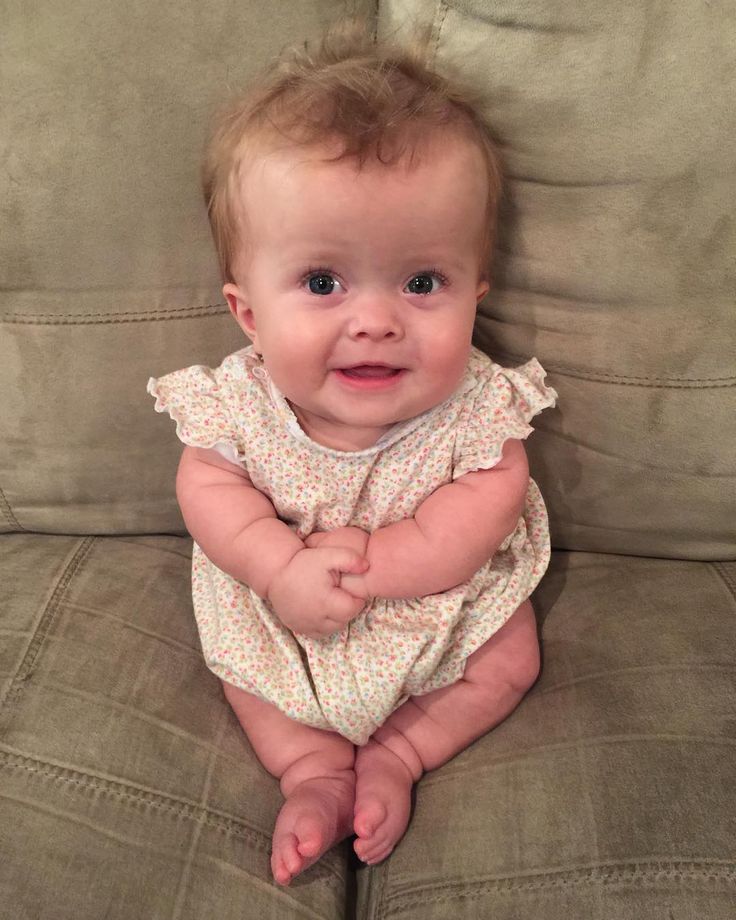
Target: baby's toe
[[369, 818], [310, 835], [379, 854], [286, 861], [369, 851], [281, 874], [361, 847]]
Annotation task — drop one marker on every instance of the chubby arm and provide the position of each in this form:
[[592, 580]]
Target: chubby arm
[[453, 533], [238, 529], [234, 523]]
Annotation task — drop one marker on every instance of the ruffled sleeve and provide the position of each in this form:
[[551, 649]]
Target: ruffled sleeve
[[500, 407], [195, 399]]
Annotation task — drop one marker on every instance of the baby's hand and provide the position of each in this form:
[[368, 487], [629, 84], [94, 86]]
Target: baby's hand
[[352, 538], [306, 594]]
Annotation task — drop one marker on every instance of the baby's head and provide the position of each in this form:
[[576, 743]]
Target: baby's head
[[349, 99], [352, 197]]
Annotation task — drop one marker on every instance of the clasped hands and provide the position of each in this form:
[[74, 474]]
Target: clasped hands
[[323, 587]]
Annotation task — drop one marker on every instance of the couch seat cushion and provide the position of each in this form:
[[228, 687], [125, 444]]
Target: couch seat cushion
[[610, 792], [128, 788]]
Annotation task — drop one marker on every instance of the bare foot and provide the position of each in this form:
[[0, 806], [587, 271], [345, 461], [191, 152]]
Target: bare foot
[[317, 814], [382, 801]]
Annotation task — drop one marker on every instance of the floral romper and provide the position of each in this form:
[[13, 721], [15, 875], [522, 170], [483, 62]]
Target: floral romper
[[351, 681]]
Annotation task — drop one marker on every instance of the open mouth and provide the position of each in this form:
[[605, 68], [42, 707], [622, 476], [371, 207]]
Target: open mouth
[[370, 376], [371, 372]]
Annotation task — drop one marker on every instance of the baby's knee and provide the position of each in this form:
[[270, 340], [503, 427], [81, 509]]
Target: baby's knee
[[522, 670], [510, 657]]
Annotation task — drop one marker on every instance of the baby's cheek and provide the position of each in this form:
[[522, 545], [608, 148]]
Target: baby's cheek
[[300, 377]]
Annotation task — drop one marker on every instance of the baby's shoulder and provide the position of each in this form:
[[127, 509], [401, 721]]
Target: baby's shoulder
[[500, 383], [241, 380], [480, 379], [214, 405], [238, 368]]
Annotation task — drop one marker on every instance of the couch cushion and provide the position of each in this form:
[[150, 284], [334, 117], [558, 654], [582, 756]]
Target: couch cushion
[[107, 271], [128, 787], [609, 793], [616, 260], [615, 265]]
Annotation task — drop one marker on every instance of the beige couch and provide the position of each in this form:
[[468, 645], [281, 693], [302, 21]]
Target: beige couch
[[126, 787]]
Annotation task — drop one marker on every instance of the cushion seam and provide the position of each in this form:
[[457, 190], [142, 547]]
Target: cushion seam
[[629, 380], [641, 873], [728, 579], [440, 14], [124, 316], [8, 513], [27, 664], [178, 807]]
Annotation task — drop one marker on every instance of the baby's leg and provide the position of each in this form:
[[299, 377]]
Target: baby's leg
[[427, 731], [317, 780]]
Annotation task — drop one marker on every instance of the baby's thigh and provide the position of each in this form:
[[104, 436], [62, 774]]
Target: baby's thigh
[[279, 742], [510, 656]]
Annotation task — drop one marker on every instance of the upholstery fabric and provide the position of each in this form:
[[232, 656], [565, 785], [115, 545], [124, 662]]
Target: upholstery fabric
[[614, 267], [128, 790], [608, 795], [118, 750], [107, 271]]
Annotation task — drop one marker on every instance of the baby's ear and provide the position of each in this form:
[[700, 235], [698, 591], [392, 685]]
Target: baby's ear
[[239, 308], [482, 288]]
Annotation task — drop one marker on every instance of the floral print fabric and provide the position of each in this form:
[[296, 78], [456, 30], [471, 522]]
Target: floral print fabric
[[350, 682]]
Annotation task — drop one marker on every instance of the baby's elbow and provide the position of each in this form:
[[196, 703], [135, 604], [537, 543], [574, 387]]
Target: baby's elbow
[[183, 482], [521, 489], [517, 480], [514, 460]]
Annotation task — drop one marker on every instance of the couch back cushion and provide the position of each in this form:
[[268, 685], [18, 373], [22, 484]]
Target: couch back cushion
[[107, 271], [614, 266]]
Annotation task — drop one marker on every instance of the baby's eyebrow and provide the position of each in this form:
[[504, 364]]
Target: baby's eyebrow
[[309, 258], [440, 262]]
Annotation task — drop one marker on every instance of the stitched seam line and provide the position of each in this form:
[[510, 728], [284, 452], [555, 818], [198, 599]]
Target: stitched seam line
[[28, 663], [125, 316], [166, 804], [440, 15], [7, 512], [695, 871], [655, 382], [728, 579]]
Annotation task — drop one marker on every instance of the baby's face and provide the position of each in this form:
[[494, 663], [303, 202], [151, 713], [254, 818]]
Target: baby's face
[[359, 287]]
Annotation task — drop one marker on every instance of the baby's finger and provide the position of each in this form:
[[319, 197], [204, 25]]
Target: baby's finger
[[354, 585], [314, 540], [344, 607], [347, 560]]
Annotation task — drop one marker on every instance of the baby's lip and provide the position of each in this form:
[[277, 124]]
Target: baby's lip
[[370, 369], [368, 364]]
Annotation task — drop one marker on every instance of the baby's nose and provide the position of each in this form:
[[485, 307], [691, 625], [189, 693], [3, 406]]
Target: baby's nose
[[376, 318]]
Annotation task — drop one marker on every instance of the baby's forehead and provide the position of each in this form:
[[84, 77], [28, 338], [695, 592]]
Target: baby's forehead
[[417, 151], [299, 203]]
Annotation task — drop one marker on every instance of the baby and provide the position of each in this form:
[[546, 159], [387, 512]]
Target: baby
[[366, 532]]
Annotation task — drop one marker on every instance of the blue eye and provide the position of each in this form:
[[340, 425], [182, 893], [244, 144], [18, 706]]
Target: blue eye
[[424, 283], [321, 283]]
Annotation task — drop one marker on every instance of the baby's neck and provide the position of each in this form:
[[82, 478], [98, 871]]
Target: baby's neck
[[335, 436]]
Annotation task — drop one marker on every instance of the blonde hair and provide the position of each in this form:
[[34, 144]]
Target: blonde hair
[[374, 103]]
